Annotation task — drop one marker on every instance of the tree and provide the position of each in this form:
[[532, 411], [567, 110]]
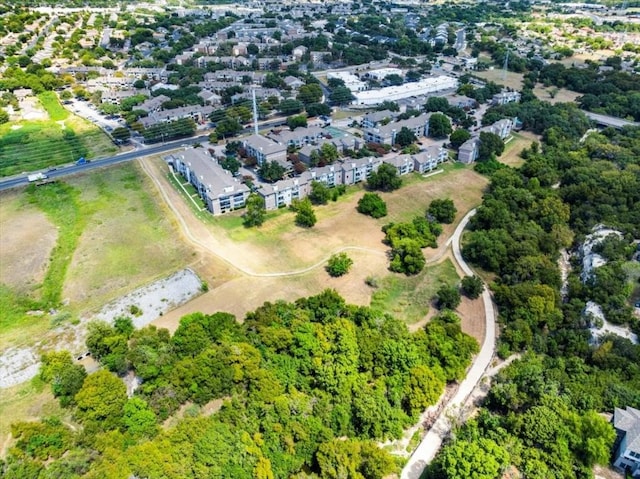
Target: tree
[[228, 127], [329, 153], [271, 171], [490, 145], [423, 389], [444, 211], [231, 164], [436, 103], [341, 96], [4, 116], [66, 378], [255, 211], [139, 84], [290, 106], [339, 264], [458, 137], [305, 216], [101, 400], [371, 204], [407, 257], [138, 419], [480, 459], [439, 126], [448, 297], [320, 193], [472, 286], [121, 134], [388, 105], [318, 109], [298, 121], [385, 179], [308, 94], [405, 137]]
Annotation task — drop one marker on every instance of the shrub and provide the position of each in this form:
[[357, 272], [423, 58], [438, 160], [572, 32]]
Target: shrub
[[371, 204], [448, 297], [339, 264], [443, 211], [472, 286]]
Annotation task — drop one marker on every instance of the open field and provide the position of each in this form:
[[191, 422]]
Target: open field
[[110, 237], [499, 76], [63, 138], [409, 297], [560, 95], [514, 147]]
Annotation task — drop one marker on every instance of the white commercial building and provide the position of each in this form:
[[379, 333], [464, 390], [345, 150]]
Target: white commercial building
[[351, 81], [427, 86]]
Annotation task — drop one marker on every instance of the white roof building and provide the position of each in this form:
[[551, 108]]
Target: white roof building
[[426, 86]]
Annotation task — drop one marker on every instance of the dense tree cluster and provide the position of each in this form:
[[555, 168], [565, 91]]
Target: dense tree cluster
[[407, 240], [541, 416], [305, 386]]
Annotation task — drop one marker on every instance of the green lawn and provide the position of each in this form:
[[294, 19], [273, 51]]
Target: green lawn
[[408, 297], [36, 145], [51, 104]]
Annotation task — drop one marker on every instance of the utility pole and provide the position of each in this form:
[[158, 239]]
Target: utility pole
[[255, 111], [506, 65]]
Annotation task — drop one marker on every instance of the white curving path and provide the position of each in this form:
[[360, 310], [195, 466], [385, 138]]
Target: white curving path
[[431, 442]]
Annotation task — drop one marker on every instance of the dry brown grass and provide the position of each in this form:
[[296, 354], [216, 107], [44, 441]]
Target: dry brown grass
[[513, 148], [26, 240], [498, 75]]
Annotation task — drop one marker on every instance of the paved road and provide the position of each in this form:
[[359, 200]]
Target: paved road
[[70, 169], [432, 441], [66, 170]]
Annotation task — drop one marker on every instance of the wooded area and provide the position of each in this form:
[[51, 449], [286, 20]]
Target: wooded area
[[295, 379]]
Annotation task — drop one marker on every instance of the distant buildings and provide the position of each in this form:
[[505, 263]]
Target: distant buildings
[[386, 134], [468, 151]]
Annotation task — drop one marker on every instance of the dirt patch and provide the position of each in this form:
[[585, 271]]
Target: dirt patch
[[26, 240], [17, 366], [555, 95], [149, 302], [471, 312], [499, 76]]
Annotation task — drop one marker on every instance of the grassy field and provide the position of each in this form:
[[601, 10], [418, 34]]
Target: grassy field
[[513, 148], [111, 237], [408, 297], [63, 138]]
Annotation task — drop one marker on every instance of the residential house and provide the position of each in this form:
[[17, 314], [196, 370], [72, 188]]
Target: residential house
[[502, 128], [627, 446], [404, 164], [283, 192], [196, 112], [293, 82], [153, 104], [209, 97], [386, 134], [429, 158], [376, 118], [297, 137], [355, 171], [468, 151], [220, 191], [299, 51], [116, 96], [330, 175], [264, 149], [505, 97]]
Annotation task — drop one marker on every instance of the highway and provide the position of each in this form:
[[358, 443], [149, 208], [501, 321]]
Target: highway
[[70, 169]]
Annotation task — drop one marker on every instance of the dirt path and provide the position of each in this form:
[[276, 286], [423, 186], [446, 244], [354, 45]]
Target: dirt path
[[201, 238]]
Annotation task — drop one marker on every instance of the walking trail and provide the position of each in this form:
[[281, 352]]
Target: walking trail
[[431, 442]]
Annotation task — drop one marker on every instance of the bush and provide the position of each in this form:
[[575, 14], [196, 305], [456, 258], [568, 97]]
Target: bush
[[448, 297], [407, 257], [305, 216], [371, 204], [339, 264], [443, 211], [472, 286]]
